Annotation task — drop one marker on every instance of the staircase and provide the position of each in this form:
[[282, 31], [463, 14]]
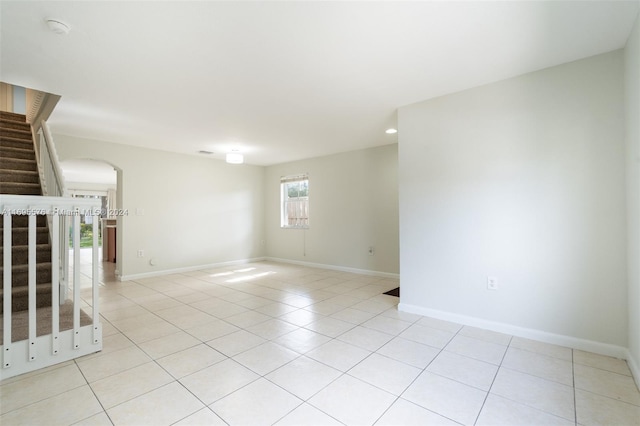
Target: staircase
[[19, 176]]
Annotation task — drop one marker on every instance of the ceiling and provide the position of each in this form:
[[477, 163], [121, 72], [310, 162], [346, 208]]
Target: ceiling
[[281, 81]]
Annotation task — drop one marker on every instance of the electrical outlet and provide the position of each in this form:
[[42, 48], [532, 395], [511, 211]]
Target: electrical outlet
[[371, 251], [140, 253], [492, 283]]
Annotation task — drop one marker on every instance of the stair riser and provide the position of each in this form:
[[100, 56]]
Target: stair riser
[[23, 221], [21, 278], [14, 152], [19, 177], [20, 255], [20, 188], [14, 125], [18, 134], [15, 143], [15, 164], [21, 238], [20, 299], [6, 115]]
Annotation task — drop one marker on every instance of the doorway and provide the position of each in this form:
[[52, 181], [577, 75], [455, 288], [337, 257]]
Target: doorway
[[90, 178]]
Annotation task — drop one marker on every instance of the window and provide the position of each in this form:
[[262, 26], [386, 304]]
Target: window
[[86, 222], [295, 201]]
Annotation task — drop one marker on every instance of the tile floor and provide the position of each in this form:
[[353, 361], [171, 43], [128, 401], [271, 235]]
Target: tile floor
[[268, 343]]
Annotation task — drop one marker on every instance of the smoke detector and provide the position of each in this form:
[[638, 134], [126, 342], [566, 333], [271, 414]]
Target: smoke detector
[[57, 26]]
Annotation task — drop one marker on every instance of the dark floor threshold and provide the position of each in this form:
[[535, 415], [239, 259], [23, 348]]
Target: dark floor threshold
[[394, 292]]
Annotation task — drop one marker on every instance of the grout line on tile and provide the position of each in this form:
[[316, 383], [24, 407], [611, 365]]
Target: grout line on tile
[[631, 404], [104, 410], [41, 400], [493, 381]]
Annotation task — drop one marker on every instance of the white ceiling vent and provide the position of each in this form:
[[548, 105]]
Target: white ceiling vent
[[57, 26]]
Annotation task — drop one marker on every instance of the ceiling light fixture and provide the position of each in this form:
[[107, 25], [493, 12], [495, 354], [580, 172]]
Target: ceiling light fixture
[[57, 26], [234, 157], [391, 131]]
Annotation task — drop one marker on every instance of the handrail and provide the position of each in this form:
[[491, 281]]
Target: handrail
[[54, 158], [48, 165], [52, 184]]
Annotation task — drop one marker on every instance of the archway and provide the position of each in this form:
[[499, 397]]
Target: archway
[[96, 178]]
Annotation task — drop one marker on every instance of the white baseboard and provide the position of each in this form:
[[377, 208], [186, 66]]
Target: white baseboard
[[634, 367], [528, 333], [187, 269], [255, 259], [336, 268]]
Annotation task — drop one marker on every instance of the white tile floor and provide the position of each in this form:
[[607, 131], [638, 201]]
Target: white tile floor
[[269, 343]]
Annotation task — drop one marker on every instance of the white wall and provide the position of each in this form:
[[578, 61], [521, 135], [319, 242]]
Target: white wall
[[632, 107], [184, 211], [353, 205], [89, 186], [19, 100], [522, 180]]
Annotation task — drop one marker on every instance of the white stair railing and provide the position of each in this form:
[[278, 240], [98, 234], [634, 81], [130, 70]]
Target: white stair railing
[[51, 176], [53, 185], [38, 351]]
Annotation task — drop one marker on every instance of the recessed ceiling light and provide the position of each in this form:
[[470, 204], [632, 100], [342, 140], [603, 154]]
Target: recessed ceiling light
[[391, 131], [57, 26]]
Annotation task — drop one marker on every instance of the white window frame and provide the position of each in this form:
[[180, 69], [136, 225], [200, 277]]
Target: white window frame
[[298, 204]]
